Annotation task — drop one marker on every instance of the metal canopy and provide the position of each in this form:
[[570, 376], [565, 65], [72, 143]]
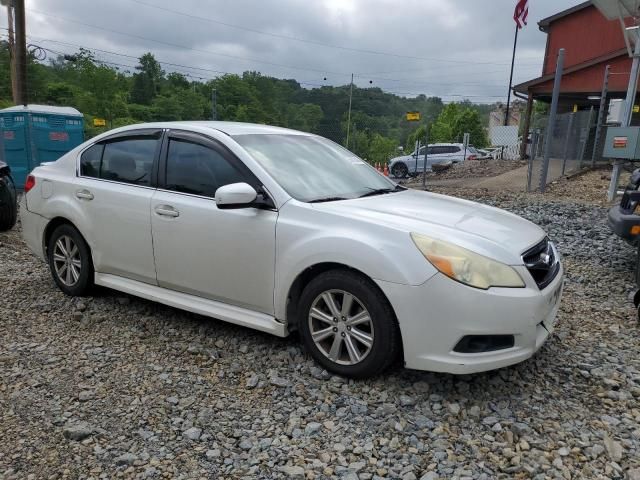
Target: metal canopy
[[614, 9]]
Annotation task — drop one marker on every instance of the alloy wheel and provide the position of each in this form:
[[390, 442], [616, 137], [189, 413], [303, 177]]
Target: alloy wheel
[[67, 261], [341, 327]]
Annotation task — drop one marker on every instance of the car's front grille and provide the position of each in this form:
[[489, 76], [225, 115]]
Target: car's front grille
[[542, 262]]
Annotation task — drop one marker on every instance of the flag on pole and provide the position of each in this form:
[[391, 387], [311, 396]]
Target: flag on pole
[[521, 13]]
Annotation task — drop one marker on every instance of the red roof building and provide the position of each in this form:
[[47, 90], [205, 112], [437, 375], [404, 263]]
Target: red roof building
[[591, 42]]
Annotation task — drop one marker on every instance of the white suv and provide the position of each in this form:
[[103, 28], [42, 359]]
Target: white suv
[[410, 165], [280, 230]]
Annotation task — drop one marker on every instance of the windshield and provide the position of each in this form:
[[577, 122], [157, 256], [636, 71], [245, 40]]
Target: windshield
[[313, 168]]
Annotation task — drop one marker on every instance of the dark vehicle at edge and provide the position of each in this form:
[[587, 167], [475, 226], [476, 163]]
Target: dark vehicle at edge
[[8, 199]]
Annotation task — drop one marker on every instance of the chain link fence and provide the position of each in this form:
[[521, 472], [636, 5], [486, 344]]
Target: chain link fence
[[572, 147]]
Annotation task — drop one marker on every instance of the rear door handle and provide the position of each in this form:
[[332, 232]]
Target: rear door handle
[[84, 195], [167, 211]]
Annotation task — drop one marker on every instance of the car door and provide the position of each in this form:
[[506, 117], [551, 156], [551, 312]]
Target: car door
[[226, 255], [419, 160], [114, 188]]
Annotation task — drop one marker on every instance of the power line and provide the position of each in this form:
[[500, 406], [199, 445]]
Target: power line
[[162, 42], [412, 82], [311, 42]]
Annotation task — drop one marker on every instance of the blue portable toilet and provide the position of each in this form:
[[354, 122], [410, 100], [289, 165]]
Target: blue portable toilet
[[33, 134]]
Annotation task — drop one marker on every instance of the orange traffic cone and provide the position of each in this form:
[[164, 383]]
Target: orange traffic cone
[[386, 170]]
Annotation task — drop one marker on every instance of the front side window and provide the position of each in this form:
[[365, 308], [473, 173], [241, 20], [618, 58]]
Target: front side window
[[197, 169], [313, 168], [127, 160]]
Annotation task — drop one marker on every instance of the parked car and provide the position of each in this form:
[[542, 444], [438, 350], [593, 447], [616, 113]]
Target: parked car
[[8, 202], [410, 165], [623, 218], [280, 230]]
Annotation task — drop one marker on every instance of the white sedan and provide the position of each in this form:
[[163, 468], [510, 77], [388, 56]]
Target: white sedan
[[280, 230]]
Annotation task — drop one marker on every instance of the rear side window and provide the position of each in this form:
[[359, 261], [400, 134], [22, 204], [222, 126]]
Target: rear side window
[[198, 169], [453, 149], [127, 160], [90, 161]]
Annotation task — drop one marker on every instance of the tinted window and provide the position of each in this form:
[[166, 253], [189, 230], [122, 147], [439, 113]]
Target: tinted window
[[453, 149], [439, 150], [90, 161], [129, 160], [194, 168]]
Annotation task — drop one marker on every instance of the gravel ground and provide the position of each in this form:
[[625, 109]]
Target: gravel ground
[[476, 169], [112, 386]]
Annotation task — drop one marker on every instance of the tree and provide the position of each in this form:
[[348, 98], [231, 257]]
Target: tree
[[146, 83]]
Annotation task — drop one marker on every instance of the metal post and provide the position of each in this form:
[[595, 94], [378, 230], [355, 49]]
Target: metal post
[[21, 52], [513, 59], [349, 114], [532, 158], [601, 114], [214, 104], [586, 139], [426, 156], [417, 154], [527, 126], [565, 153], [552, 119]]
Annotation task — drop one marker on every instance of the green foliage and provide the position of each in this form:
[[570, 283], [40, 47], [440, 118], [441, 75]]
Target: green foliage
[[454, 121], [99, 90]]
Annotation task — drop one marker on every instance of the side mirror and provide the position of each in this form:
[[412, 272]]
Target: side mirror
[[235, 195]]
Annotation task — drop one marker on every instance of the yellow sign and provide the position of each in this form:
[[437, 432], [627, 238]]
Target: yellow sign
[[99, 122], [636, 108], [413, 116], [575, 108]]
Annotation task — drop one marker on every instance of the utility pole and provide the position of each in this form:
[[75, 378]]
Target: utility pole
[[12, 52], [21, 53], [214, 104], [349, 114]]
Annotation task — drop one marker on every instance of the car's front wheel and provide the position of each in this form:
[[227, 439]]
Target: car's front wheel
[[400, 170], [347, 325], [70, 261]]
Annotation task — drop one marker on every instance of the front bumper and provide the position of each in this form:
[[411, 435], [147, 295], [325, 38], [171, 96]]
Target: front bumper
[[621, 223], [436, 315]]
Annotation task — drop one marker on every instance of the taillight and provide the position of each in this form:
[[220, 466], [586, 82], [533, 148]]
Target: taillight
[[472, 157], [29, 183]]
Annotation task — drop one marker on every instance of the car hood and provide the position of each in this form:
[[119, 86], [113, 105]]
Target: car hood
[[487, 230]]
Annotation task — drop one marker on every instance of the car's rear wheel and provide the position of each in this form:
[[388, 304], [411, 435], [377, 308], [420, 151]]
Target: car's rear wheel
[[400, 170], [70, 261], [347, 325], [9, 207]]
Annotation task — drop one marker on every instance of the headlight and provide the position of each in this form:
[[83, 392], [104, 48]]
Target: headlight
[[465, 266]]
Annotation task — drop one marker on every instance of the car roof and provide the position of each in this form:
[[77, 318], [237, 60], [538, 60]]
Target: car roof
[[229, 128]]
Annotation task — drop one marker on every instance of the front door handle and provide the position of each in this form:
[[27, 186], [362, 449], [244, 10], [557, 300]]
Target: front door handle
[[84, 195], [167, 211]]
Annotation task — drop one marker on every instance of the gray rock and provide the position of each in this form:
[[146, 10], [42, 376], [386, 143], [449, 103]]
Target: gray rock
[[245, 444], [280, 382], [192, 433], [212, 454], [78, 431], [313, 427], [125, 459], [293, 472], [252, 381]]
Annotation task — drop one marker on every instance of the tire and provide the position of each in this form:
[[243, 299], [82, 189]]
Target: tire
[[380, 331], [77, 279], [400, 170], [8, 211]]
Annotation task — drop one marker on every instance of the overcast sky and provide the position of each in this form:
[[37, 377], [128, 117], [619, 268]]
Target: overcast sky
[[464, 46]]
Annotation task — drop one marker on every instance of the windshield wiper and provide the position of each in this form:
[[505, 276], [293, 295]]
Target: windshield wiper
[[327, 199], [382, 191]]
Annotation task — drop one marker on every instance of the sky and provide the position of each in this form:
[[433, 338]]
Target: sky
[[453, 49]]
